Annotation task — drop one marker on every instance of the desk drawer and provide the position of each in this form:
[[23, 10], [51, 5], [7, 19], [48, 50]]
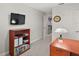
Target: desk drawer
[[58, 52]]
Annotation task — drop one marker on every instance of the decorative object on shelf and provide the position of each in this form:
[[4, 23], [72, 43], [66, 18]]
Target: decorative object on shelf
[[60, 31], [57, 18], [26, 34], [25, 41]]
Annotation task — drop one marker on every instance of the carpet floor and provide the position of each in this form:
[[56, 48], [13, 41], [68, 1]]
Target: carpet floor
[[39, 48]]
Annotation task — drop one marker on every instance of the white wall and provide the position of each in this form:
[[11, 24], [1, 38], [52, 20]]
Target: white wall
[[69, 20], [33, 21]]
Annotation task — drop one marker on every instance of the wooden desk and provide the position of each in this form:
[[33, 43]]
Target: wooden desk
[[68, 47]]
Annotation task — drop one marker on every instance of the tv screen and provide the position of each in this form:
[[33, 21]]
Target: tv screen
[[17, 19]]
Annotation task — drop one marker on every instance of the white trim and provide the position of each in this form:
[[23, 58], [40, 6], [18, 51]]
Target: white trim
[[35, 40]]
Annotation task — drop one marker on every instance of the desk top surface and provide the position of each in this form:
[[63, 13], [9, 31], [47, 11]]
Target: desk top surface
[[67, 44]]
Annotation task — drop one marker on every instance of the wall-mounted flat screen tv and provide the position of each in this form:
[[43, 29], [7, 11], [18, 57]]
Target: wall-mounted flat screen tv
[[17, 19]]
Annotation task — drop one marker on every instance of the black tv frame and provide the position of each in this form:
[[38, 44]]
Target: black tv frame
[[17, 18]]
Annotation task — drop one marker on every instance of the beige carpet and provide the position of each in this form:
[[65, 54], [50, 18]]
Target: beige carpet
[[39, 48]]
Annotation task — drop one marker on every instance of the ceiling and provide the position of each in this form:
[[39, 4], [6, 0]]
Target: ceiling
[[43, 7], [47, 7]]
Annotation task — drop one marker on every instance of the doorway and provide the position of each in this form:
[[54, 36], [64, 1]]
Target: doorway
[[47, 26]]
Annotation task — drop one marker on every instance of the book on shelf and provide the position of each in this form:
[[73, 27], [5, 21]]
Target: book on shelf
[[20, 40], [26, 46], [16, 42], [16, 51]]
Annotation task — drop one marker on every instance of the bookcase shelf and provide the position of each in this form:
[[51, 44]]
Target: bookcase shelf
[[21, 45], [19, 41]]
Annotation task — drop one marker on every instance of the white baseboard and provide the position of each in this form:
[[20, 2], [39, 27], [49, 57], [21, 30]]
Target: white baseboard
[[35, 40]]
